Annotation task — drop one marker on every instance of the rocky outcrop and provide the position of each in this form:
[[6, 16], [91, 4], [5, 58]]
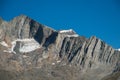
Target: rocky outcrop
[[23, 27], [27, 47]]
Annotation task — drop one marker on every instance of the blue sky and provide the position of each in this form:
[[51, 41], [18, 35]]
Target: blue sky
[[87, 17]]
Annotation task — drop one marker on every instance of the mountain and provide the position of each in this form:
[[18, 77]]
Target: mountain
[[33, 51]]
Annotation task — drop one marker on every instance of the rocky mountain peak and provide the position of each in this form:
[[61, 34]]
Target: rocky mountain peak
[[34, 51], [24, 29]]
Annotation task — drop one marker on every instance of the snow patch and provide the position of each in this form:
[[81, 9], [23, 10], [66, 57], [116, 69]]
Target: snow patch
[[26, 45], [65, 31], [4, 43], [8, 51], [53, 63], [58, 61], [118, 49], [70, 32]]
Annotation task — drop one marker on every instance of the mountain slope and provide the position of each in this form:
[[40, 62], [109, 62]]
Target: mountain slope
[[32, 51]]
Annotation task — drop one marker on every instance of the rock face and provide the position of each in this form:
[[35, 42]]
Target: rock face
[[32, 51]]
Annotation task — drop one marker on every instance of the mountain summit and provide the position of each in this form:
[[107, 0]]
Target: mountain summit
[[32, 51]]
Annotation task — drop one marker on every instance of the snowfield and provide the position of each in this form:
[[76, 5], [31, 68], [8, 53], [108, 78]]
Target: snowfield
[[26, 45], [29, 45], [65, 31], [118, 49], [69, 31]]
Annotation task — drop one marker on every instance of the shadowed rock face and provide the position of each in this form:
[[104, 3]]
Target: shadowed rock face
[[32, 51]]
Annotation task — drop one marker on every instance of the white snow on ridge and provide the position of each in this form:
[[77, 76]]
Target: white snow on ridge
[[69, 31], [65, 31], [118, 49]]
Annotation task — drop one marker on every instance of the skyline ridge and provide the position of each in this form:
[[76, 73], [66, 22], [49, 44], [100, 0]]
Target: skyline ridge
[[25, 16]]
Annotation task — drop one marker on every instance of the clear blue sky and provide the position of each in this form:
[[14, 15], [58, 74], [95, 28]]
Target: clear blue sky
[[87, 17]]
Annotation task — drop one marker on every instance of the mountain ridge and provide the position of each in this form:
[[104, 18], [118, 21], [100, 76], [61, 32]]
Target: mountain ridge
[[29, 45]]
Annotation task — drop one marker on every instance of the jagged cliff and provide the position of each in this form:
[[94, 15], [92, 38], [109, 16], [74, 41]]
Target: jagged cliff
[[32, 51]]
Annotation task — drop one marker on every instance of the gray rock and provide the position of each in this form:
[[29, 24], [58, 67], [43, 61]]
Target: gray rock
[[60, 55]]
